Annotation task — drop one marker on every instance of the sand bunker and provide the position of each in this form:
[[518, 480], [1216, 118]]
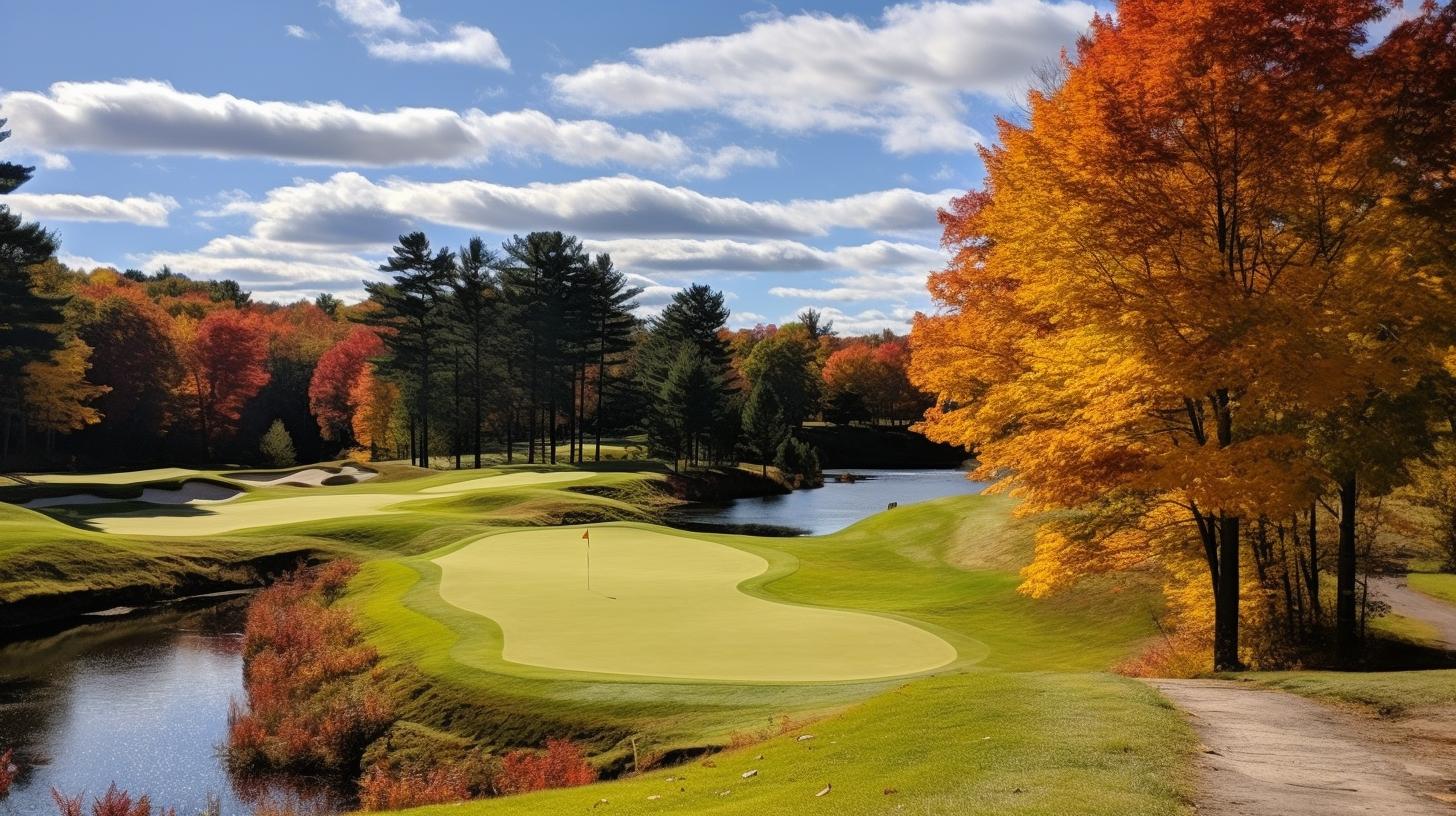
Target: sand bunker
[[226, 518], [509, 480], [124, 477], [191, 492], [667, 606], [313, 477]]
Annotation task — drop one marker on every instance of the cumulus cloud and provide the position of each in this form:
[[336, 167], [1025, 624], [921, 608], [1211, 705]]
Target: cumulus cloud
[[271, 270], [153, 118], [379, 16], [869, 321], [149, 211], [905, 79], [724, 255], [298, 32], [723, 161], [467, 45], [349, 209]]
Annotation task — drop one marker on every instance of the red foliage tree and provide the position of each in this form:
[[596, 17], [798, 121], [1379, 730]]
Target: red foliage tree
[[223, 358], [334, 380]]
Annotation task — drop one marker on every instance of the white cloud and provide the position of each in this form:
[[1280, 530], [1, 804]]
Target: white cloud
[[351, 210], [270, 270], [298, 32], [724, 255], [151, 211], [869, 321], [153, 118], [84, 263], [905, 79], [721, 162], [379, 16], [467, 45]]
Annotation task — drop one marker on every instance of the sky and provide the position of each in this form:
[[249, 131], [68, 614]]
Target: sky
[[791, 157]]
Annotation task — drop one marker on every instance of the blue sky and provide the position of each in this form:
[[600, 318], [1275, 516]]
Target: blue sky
[[792, 157]]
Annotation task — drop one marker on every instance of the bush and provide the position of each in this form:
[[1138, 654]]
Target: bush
[[277, 446], [8, 770], [313, 695], [385, 788], [561, 765]]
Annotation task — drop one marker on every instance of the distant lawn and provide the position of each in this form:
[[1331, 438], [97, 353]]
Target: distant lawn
[[1441, 586], [1387, 693], [1405, 628]]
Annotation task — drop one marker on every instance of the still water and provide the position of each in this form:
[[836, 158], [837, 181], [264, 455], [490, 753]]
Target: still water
[[140, 702], [832, 507]]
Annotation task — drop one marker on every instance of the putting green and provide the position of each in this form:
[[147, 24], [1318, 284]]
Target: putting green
[[666, 606], [216, 519]]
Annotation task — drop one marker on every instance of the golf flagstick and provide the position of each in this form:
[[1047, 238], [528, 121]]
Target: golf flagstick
[[586, 536]]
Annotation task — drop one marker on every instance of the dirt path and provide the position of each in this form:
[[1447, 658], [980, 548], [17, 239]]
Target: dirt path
[[1412, 604], [1269, 753]]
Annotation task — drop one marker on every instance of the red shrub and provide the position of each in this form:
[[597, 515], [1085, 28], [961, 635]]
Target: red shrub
[[384, 788], [312, 699], [115, 802], [562, 765], [8, 770]]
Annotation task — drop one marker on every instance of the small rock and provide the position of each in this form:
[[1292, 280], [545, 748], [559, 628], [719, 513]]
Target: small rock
[[760, 756], [653, 798], [749, 774], [825, 792], [803, 737], [891, 791]]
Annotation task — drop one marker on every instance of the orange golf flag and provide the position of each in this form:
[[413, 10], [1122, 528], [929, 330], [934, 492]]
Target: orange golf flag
[[586, 535]]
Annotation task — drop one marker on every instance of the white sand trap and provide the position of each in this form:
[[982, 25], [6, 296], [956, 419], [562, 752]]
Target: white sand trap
[[509, 480], [191, 493], [313, 477], [226, 518], [666, 606]]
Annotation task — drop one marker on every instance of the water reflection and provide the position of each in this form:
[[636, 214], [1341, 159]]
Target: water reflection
[[141, 702], [831, 508]]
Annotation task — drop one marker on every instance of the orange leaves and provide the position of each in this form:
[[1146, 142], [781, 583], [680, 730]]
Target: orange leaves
[[222, 357], [561, 765], [330, 392], [312, 700]]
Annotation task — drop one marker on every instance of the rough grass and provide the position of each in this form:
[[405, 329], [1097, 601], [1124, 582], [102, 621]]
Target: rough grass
[[1386, 693], [987, 742], [1410, 630]]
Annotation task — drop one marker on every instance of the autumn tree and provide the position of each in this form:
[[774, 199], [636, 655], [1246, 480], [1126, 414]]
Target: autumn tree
[[376, 402], [222, 359], [1181, 257], [331, 387], [786, 363], [60, 397]]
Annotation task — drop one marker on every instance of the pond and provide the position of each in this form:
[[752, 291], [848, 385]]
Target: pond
[[141, 702], [830, 508]]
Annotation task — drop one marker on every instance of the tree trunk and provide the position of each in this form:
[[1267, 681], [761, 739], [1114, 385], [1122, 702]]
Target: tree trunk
[[1346, 636], [1226, 599]]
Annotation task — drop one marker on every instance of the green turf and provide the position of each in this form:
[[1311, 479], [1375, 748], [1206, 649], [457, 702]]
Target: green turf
[[1062, 738], [1387, 693], [1441, 586], [981, 743], [1410, 630], [617, 599]]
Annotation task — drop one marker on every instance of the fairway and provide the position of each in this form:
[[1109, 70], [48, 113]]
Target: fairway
[[216, 519], [667, 606]]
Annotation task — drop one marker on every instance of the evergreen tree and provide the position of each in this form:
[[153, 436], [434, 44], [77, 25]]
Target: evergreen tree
[[610, 302], [763, 425], [29, 321], [474, 296], [277, 446], [412, 306]]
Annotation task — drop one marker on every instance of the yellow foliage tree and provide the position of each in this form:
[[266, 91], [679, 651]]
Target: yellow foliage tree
[[58, 394]]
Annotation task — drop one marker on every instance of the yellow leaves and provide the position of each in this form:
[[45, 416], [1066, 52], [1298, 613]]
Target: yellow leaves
[[57, 391]]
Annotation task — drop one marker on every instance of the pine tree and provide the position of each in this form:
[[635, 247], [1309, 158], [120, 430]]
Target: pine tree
[[611, 302], [473, 314], [411, 306], [763, 425]]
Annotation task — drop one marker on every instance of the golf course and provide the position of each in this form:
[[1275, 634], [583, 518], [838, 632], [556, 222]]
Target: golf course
[[897, 649]]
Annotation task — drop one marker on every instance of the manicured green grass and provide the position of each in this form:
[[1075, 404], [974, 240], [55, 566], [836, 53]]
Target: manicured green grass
[[1441, 586], [636, 601], [987, 742]]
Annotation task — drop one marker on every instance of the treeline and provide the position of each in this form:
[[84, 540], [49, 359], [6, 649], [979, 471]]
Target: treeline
[[533, 352], [1205, 308]]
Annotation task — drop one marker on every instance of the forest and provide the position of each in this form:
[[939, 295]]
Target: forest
[[534, 352]]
